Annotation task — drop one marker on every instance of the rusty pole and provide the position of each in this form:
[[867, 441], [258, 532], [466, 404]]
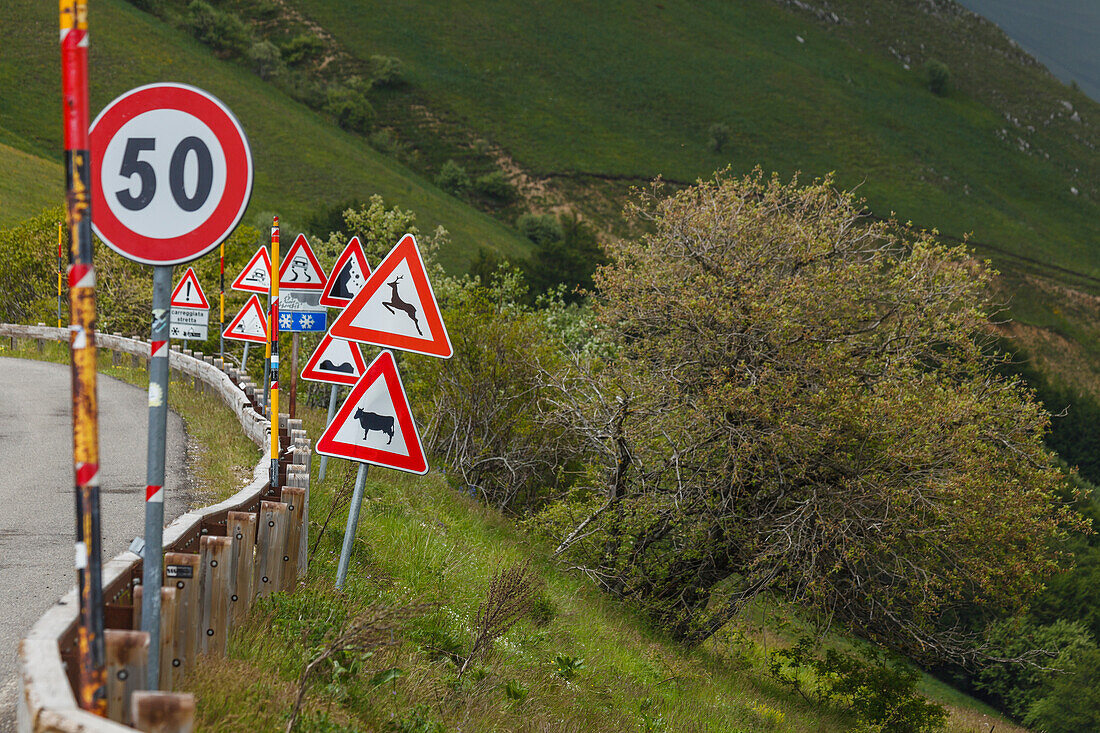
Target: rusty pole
[[92, 689]]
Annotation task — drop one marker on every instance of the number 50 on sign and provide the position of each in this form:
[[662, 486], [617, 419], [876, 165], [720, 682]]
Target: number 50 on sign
[[173, 173]]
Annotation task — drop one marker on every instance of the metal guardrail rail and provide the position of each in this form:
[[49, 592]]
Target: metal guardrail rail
[[210, 601]]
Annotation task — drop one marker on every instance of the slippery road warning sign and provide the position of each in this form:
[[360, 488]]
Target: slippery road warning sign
[[256, 275], [250, 324], [375, 425], [188, 294], [335, 361], [348, 277], [301, 270], [396, 307]]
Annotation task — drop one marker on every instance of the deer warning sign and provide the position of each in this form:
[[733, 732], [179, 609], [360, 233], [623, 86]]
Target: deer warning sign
[[250, 324], [335, 361], [375, 425], [396, 307], [256, 275]]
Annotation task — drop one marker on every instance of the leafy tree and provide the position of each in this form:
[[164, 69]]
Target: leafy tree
[[350, 108], [222, 30], [265, 59], [802, 402], [302, 49], [1072, 704], [542, 229], [453, 178], [387, 71], [495, 186], [718, 135], [569, 260]]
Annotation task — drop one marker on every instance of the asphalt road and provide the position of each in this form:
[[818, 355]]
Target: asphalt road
[[36, 492]]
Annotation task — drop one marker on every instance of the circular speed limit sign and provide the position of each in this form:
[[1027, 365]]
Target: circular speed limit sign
[[172, 173]]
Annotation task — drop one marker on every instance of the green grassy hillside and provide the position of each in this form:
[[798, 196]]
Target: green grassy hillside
[[303, 162], [629, 89]]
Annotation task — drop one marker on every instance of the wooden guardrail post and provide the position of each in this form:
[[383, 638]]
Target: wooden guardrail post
[[182, 570], [216, 584], [270, 547], [127, 658], [241, 527], [163, 712], [294, 498]]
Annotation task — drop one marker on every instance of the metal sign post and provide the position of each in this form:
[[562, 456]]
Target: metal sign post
[[328, 420], [353, 524], [173, 175], [154, 471], [92, 689]]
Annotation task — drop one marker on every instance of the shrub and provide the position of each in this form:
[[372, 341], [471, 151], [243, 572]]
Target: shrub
[[387, 71], [453, 178], [302, 48], [939, 77], [265, 59], [1071, 703], [569, 260], [350, 108], [496, 186], [882, 693], [541, 229], [221, 30], [718, 135]]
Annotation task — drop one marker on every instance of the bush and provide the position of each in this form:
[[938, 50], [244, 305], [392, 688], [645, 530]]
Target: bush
[[542, 229], [265, 59], [718, 135], [387, 71], [350, 108], [939, 77], [883, 694], [569, 260], [453, 178], [495, 186], [221, 30], [303, 48]]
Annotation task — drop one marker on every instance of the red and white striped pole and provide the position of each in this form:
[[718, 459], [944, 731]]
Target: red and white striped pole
[[92, 688]]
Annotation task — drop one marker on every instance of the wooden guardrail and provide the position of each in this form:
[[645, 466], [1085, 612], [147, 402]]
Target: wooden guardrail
[[217, 561]]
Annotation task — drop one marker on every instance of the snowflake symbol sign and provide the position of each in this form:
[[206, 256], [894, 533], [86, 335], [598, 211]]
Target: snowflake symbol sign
[[285, 321], [307, 322]]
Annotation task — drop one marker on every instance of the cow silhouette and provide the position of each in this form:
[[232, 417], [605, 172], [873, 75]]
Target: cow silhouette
[[346, 368], [395, 304], [372, 421]]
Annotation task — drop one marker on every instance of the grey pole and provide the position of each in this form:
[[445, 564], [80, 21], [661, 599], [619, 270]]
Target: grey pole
[[154, 474], [244, 359], [331, 412], [353, 524]]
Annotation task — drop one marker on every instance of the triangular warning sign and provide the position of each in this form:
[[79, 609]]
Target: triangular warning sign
[[250, 324], [188, 294], [349, 274], [335, 361], [375, 425], [396, 308], [256, 275], [301, 270]]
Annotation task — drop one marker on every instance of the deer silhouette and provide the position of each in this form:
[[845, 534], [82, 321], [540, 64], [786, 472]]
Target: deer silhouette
[[396, 304]]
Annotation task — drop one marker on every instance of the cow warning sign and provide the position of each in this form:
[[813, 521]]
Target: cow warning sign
[[256, 275], [397, 308], [250, 324], [375, 425]]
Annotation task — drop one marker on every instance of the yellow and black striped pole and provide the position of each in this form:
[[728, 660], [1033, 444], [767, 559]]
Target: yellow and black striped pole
[[91, 691], [60, 269], [273, 353]]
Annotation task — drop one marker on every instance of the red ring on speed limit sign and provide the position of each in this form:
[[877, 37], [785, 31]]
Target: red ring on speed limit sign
[[217, 225]]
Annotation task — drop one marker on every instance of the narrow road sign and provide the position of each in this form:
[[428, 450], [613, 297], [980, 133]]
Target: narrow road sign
[[348, 277], [256, 275], [375, 424], [250, 324], [335, 361], [396, 307], [301, 270], [190, 310]]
